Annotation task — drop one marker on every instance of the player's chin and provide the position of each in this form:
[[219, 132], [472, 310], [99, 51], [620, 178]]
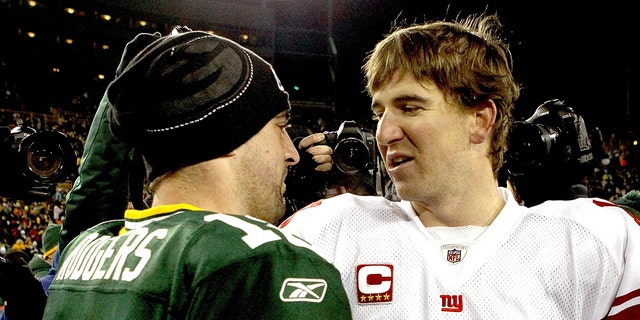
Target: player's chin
[[283, 184], [280, 211]]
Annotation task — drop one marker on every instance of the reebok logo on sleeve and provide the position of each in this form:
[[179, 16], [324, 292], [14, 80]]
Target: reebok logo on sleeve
[[301, 289]]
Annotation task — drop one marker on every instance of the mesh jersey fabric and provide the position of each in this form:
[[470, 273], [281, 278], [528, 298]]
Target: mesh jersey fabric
[[577, 259], [188, 264]]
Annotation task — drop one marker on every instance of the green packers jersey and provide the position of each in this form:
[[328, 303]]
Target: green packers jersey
[[177, 262]]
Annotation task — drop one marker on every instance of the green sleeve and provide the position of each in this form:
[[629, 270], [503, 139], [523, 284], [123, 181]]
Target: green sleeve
[[101, 190], [237, 267], [260, 288]]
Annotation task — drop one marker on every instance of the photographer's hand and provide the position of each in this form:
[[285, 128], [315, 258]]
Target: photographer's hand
[[320, 153]]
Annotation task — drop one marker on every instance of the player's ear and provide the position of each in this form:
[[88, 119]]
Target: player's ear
[[484, 118]]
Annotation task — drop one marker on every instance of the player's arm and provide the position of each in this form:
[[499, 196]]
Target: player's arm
[[268, 287], [259, 272], [627, 302], [101, 191]]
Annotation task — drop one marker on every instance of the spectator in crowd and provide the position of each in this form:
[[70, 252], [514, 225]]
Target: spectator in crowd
[[457, 244], [41, 263], [19, 245], [58, 211], [215, 193]]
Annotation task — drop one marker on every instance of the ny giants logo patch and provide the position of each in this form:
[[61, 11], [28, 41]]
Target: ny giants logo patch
[[374, 283], [451, 303]]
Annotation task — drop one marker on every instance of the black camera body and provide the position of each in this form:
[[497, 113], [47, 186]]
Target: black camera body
[[555, 134], [36, 162], [549, 154], [353, 149]]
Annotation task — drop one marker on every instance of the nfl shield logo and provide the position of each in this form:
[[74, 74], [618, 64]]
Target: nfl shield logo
[[454, 255]]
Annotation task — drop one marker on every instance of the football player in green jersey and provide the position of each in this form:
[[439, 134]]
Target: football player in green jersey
[[208, 117]]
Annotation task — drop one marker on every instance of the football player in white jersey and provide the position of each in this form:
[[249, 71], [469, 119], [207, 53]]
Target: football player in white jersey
[[458, 246]]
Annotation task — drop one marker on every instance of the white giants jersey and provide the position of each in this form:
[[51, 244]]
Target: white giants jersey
[[577, 259]]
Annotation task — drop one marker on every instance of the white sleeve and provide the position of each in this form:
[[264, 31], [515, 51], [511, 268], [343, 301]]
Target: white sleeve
[[627, 302]]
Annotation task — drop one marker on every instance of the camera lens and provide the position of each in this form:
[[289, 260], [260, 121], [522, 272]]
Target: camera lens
[[48, 156], [351, 155], [44, 161], [530, 144]]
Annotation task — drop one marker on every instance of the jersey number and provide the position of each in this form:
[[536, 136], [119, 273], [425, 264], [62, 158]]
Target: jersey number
[[256, 236]]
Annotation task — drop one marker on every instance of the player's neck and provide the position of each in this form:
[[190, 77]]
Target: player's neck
[[479, 210]]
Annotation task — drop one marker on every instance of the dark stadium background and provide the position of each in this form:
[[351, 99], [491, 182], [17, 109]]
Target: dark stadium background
[[582, 53]]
